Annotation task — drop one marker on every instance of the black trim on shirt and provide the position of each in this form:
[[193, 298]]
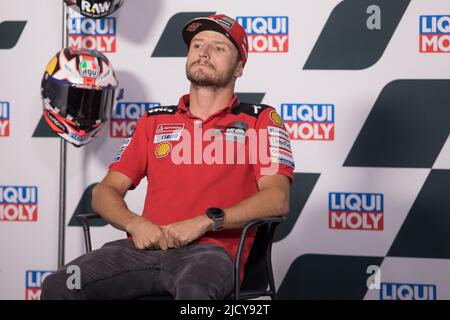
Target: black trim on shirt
[[161, 110], [249, 108]]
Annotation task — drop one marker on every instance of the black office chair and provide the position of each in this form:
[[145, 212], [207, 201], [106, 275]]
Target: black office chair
[[258, 275]]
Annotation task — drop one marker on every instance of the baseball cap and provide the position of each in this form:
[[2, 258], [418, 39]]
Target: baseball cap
[[220, 23]]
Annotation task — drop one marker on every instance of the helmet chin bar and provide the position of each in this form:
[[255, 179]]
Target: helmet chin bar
[[81, 137]]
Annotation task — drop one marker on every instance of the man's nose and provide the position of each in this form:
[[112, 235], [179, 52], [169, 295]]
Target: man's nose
[[205, 50]]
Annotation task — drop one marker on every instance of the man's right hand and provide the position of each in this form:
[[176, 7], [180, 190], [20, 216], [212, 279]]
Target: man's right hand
[[146, 234]]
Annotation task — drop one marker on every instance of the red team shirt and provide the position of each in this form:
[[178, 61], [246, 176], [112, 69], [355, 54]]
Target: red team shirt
[[193, 164]]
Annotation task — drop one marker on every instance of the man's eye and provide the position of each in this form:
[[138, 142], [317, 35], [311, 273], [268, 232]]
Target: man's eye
[[220, 49]]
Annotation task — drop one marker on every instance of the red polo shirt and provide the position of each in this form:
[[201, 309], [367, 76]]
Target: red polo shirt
[[193, 164]]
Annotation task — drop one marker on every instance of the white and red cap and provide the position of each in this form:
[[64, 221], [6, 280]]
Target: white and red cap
[[222, 24]]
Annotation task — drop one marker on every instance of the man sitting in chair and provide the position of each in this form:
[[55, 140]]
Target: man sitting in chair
[[212, 164]]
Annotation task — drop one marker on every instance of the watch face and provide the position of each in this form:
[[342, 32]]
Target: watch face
[[215, 213]]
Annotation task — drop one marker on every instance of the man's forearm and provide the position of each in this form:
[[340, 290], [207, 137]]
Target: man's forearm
[[265, 203], [109, 203]]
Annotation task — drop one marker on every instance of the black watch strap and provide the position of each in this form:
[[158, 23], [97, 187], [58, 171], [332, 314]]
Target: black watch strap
[[217, 215]]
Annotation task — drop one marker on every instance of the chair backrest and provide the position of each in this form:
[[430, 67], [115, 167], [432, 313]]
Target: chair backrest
[[256, 275]]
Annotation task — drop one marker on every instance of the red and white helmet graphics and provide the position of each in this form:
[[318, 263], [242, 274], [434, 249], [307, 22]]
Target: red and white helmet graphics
[[85, 68], [77, 93]]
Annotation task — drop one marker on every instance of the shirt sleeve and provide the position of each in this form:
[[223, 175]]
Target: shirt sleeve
[[131, 159], [275, 153]]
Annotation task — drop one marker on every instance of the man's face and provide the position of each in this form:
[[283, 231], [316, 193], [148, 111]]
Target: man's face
[[212, 61]]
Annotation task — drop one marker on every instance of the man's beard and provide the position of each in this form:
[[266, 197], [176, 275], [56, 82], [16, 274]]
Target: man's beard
[[203, 79]]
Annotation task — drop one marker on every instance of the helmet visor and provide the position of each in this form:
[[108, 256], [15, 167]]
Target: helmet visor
[[87, 107]]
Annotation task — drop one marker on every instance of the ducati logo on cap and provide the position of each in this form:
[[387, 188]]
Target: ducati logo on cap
[[194, 26], [224, 22]]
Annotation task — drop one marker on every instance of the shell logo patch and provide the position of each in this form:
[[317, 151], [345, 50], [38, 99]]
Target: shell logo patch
[[276, 119], [163, 149]]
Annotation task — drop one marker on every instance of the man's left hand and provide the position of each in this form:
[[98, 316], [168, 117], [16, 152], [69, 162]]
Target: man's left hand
[[181, 233]]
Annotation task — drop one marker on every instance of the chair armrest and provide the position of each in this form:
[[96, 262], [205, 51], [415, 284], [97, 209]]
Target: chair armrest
[[254, 223], [84, 220], [92, 215], [258, 222]]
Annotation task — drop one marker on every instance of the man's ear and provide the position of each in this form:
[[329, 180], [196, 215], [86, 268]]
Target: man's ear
[[239, 70]]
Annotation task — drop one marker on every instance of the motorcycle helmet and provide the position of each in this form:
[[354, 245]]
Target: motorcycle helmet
[[94, 8], [77, 92]]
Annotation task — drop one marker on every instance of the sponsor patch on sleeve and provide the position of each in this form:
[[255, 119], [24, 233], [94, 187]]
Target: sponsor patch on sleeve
[[278, 155], [122, 148], [279, 143], [278, 132]]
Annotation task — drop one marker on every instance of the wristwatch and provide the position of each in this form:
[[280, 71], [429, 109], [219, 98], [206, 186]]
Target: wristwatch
[[216, 215]]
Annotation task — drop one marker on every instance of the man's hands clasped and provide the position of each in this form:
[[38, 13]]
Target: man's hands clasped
[[148, 235]]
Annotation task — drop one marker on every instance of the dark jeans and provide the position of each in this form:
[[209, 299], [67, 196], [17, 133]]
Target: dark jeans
[[120, 271]]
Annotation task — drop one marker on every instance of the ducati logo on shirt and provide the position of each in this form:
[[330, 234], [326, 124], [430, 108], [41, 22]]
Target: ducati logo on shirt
[[236, 131], [235, 134]]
